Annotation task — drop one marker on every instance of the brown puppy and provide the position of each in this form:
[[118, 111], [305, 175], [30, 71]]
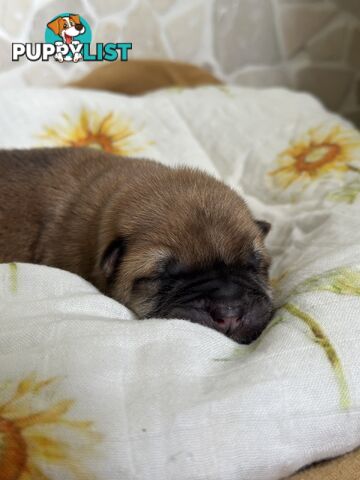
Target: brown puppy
[[168, 243]]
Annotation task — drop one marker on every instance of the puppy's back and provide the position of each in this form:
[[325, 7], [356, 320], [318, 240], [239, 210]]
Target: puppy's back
[[55, 190], [32, 182], [20, 199]]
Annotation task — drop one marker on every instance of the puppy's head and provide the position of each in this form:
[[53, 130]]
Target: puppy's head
[[67, 27], [180, 244]]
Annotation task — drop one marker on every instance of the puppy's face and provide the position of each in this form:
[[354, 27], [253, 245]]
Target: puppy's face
[[67, 27], [187, 247]]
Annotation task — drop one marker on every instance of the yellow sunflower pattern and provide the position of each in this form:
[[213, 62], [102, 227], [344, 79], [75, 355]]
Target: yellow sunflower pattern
[[320, 151], [35, 439], [108, 132]]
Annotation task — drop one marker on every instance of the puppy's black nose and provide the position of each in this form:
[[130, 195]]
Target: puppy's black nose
[[228, 324], [79, 26], [227, 317]]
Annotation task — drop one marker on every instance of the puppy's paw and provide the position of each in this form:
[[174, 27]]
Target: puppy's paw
[[59, 57], [77, 57]]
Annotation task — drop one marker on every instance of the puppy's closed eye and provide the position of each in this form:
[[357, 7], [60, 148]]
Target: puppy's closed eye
[[175, 269]]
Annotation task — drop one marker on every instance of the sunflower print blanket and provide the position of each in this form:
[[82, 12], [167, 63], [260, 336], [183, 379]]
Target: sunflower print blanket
[[89, 393]]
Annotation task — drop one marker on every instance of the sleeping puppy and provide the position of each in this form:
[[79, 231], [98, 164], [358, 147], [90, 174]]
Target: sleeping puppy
[[165, 242]]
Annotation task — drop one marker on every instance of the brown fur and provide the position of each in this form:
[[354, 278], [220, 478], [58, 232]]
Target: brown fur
[[64, 207]]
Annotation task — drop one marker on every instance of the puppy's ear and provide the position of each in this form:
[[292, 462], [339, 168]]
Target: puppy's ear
[[265, 227], [55, 25], [112, 257], [75, 18]]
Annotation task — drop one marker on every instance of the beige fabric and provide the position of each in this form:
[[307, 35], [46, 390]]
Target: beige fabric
[[136, 77], [346, 467]]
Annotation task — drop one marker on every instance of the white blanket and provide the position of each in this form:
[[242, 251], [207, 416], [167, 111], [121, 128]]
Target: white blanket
[[88, 392]]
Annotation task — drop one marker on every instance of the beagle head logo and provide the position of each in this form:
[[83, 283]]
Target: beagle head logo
[[67, 27], [68, 32]]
